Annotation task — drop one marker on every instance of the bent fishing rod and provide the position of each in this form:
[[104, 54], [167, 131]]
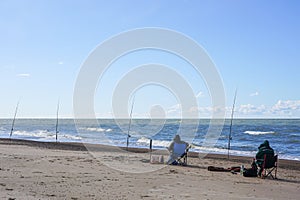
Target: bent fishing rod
[[14, 119], [230, 128], [56, 127], [129, 126]]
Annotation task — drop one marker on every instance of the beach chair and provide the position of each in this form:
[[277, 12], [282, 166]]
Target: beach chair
[[180, 153], [269, 166]]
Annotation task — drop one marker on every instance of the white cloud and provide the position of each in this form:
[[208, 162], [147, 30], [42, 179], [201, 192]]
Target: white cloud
[[60, 62], [205, 111], [176, 111], [254, 94], [282, 109], [249, 109], [286, 107], [23, 75], [208, 111]]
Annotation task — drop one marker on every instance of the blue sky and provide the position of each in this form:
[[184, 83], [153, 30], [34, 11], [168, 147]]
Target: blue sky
[[255, 45]]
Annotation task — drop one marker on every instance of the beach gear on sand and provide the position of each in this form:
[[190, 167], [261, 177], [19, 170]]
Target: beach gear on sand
[[251, 172], [157, 159], [269, 166], [222, 169]]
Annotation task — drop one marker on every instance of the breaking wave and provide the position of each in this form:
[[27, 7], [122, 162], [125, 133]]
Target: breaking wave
[[97, 129], [44, 134], [259, 132], [158, 143]]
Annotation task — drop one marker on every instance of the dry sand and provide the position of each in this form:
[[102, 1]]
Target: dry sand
[[39, 170]]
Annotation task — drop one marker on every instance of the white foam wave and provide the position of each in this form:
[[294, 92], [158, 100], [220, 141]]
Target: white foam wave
[[216, 150], [158, 143], [71, 137], [202, 149], [37, 133], [259, 132], [96, 129], [289, 157], [45, 134]]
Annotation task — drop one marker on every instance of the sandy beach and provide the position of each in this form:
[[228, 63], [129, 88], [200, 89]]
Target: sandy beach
[[41, 170]]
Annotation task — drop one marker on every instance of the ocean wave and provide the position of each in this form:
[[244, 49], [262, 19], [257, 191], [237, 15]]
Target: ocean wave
[[96, 129], [295, 135], [37, 133], [287, 157], [158, 143], [44, 134], [202, 149], [71, 137], [294, 141], [259, 132], [237, 152]]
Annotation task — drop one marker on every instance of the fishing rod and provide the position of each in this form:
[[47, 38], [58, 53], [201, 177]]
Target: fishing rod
[[13, 122], [129, 126], [230, 128], [150, 149], [56, 127]]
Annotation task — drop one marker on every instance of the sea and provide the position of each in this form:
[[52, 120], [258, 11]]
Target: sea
[[246, 134]]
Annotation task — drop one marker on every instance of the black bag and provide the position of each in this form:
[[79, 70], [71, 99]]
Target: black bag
[[250, 172]]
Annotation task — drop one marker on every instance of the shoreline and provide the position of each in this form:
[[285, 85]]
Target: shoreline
[[248, 135], [78, 146]]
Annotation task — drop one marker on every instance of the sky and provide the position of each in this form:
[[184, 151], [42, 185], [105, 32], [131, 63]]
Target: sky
[[255, 46]]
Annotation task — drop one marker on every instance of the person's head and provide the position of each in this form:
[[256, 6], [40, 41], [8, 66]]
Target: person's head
[[176, 138], [265, 144]]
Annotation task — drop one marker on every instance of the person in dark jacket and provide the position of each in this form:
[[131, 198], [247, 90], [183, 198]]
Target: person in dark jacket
[[263, 149]]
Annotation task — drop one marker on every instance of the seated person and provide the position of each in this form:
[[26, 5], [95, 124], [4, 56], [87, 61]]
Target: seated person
[[263, 149], [173, 156]]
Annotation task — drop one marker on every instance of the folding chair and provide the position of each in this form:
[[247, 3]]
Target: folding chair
[[269, 166], [180, 153]]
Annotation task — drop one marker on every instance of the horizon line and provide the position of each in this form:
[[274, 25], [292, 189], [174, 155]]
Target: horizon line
[[226, 118]]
